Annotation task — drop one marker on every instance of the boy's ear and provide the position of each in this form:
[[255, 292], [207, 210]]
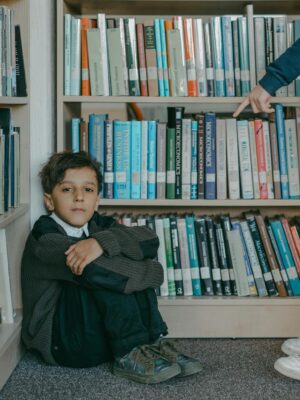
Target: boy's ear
[[48, 202], [97, 203]]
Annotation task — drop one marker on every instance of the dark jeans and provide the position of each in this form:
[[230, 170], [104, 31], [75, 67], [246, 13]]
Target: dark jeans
[[92, 326]]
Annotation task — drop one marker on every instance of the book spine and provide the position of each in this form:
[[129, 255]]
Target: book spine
[[245, 160], [190, 57], [212, 244], [269, 172], [280, 44], [170, 163], [260, 47], [142, 59], [104, 59], [118, 80], [244, 56], [176, 256], [232, 159], [184, 256], [20, 68], [161, 255], [75, 50], [218, 56], [151, 159], [201, 149], [291, 243], [84, 138], [200, 57], [161, 161], [194, 156], [131, 56], [275, 156], [292, 158], [228, 55], [192, 247], [251, 44], [144, 161], [150, 51], [93, 41], [159, 62], [136, 132], [178, 150], [269, 30], [108, 161], [236, 57], [226, 226], [210, 74], [186, 158], [177, 72], [261, 159], [122, 159], [222, 257], [164, 57], [178, 24], [284, 182], [210, 155], [75, 134], [85, 80], [289, 42], [169, 257], [124, 55], [253, 155]]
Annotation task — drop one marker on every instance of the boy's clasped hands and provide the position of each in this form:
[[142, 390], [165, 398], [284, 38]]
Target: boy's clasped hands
[[80, 254]]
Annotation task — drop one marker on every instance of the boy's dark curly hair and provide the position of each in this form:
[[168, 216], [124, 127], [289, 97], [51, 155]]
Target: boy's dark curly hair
[[54, 170]]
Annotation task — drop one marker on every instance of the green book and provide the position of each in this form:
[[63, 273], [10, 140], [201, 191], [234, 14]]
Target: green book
[[169, 257]]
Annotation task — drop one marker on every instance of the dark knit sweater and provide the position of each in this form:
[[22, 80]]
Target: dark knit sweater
[[283, 70], [126, 266]]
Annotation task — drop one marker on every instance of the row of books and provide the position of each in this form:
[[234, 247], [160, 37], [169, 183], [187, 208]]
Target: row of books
[[221, 255], [9, 162], [12, 70], [195, 156], [182, 56]]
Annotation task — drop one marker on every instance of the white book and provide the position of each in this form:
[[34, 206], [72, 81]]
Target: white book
[[123, 50], [184, 257], [186, 158], [117, 78], [254, 261], [255, 179], [245, 160], [228, 55], [200, 56], [268, 157], [251, 45], [292, 157], [178, 24], [7, 312], [161, 254], [177, 70], [232, 159], [238, 262], [218, 55], [94, 55], [75, 60], [260, 47], [280, 44], [144, 161], [221, 159], [126, 220], [290, 38], [101, 21]]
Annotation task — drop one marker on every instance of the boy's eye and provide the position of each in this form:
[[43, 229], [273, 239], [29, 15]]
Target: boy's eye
[[66, 189], [89, 190]]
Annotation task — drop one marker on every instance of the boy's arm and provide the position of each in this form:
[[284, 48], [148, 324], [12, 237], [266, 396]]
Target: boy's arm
[[136, 243]]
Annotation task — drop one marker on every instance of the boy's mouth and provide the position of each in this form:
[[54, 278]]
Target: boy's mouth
[[78, 209]]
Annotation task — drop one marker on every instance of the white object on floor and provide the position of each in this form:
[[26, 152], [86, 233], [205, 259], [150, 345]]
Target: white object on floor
[[289, 366], [291, 347]]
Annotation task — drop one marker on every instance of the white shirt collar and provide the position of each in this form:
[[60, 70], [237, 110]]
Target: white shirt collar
[[71, 230]]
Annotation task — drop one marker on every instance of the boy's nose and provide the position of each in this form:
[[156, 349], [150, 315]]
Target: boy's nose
[[79, 195]]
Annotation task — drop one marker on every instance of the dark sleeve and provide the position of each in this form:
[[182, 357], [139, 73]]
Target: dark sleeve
[[136, 243], [283, 70]]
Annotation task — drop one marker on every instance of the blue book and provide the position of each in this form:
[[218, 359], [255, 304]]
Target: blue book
[[75, 135], [286, 255], [194, 166], [159, 62], [194, 263], [136, 136], [244, 56], [122, 159], [284, 180], [218, 55], [164, 57], [228, 55], [151, 159], [210, 155], [108, 162]]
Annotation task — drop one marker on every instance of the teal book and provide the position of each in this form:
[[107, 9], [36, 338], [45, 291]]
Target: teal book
[[194, 263], [122, 139], [169, 257], [151, 159], [284, 181], [136, 135]]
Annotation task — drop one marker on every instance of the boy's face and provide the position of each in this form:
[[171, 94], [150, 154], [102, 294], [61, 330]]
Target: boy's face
[[75, 198]]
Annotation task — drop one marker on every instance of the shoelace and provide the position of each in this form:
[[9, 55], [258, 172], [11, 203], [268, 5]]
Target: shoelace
[[144, 355]]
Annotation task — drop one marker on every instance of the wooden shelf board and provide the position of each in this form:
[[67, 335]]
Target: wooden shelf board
[[230, 301], [6, 100], [13, 214], [199, 203]]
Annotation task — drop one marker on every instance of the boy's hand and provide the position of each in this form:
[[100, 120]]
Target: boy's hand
[[259, 99], [80, 254]]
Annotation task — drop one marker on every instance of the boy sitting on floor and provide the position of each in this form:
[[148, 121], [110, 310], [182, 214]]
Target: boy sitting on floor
[[88, 282]]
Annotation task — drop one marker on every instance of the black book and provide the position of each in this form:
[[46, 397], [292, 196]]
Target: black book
[[226, 226], [176, 256], [222, 256], [216, 271], [175, 115], [20, 68], [5, 125], [204, 256], [265, 267]]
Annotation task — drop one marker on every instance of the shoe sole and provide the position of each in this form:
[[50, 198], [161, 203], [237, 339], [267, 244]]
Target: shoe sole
[[289, 352], [289, 374], [168, 373], [190, 370]]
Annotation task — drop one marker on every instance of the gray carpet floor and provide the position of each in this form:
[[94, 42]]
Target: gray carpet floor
[[240, 369]]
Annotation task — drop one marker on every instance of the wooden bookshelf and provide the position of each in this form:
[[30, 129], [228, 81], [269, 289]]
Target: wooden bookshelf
[[16, 222], [188, 316]]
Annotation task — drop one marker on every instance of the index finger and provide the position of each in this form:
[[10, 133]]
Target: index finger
[[241, 107]]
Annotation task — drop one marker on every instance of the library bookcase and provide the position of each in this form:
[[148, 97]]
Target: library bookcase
[[186, 316], [16, 221]]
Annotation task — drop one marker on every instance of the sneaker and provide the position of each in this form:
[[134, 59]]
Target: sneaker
[[291, 347], [188, 365], [144, 366], [289, 366]]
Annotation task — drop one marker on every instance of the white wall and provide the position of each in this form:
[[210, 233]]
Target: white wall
[[42, 93]]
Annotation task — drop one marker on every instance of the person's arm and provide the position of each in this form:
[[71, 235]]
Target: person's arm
[[136, 243], [279, 73]]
